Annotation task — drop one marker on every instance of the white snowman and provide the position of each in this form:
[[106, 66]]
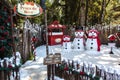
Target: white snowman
[[66, 43], [93, 41], [79, 41]]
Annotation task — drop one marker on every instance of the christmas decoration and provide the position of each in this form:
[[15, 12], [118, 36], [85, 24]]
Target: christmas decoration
[[66, 43], [93, 41], [111, 43], [55, 33], [79, 41], [66, 66], [6, 42]]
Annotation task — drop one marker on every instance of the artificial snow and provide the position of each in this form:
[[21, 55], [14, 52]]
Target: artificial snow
[[35, 70]]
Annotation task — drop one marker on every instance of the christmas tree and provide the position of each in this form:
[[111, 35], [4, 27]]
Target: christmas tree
[[6, 40]]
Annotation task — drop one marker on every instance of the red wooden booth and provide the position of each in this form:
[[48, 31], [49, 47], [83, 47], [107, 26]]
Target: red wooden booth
[[55, 33]]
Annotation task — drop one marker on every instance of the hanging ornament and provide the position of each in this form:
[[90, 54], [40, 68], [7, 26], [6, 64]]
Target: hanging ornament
[[6, 33], [9, 19], [2, 27], [2, 49], [2, 38]]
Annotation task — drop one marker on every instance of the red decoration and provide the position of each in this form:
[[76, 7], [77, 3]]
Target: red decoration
[[82, 73], [9, 19], [112, 37], [29, 3], [9, 66], [56, 24], [66, 38], [2, 49], [2, 27], [2, 38], [95, 37], [34, 39], [66, 68], [5, 33], [55, 38], [5, 8]]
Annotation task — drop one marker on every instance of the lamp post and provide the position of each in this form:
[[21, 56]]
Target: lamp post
[[46, 27], [47, 49]]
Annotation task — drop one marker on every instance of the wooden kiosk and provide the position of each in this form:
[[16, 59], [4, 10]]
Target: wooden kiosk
[[55, 33]]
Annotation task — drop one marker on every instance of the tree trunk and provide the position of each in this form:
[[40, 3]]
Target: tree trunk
[[102, 11], [86, 13], [82, 21], [66, 10]]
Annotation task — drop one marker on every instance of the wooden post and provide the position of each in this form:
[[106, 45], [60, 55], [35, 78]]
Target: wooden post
[[53, 69], [5, 72], [1, 73], [47, 50]]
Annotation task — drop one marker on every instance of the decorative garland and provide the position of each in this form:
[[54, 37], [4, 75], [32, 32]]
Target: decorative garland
[[9, 68], [91, 76]]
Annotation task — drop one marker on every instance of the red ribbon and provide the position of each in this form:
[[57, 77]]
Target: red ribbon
[[66, 41], [92, 37], [66, 68], [82, 73], [79, 37]]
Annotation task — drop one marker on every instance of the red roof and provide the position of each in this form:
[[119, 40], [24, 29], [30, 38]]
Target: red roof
[[56, 24]]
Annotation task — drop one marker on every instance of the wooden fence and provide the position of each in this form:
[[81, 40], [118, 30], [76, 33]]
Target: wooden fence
[[76, 71], [9, 72]]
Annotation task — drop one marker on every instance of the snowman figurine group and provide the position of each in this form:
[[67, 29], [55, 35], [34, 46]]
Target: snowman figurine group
[[91, 42]]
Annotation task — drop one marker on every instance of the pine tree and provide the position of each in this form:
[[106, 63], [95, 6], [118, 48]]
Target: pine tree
[[6, 41]]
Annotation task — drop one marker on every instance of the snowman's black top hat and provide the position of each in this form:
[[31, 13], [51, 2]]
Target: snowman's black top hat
[[79, 28]]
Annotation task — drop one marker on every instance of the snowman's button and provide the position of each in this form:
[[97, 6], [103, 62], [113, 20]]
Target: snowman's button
[[78, 47], [78, 40], [91, 47], [78, 44], [91, 43]]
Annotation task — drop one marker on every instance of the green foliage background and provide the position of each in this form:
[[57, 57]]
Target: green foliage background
[[68, 11]]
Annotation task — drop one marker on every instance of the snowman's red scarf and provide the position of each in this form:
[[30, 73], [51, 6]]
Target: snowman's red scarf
[[67, 41], [79, 37], [98, 41]]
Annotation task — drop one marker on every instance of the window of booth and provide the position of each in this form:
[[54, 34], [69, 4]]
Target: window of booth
[[56, 30]]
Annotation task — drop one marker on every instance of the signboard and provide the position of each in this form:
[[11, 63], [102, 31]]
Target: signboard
[[28, 9], [53, 59]]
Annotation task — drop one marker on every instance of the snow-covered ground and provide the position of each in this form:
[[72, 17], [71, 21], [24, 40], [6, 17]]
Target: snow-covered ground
[[35, 70]]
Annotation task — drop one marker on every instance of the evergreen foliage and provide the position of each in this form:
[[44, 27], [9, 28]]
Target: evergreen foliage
[[6, 42]]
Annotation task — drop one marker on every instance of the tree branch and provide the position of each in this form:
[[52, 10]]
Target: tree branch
[[107, 3]]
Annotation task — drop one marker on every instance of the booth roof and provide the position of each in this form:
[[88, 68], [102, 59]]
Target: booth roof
[[56, 24]]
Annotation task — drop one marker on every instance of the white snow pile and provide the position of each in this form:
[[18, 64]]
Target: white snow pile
[[98, 58]]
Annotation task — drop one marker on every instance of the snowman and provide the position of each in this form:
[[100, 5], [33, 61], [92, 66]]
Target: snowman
[[93, 41], [66, 43], [79, 41]]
